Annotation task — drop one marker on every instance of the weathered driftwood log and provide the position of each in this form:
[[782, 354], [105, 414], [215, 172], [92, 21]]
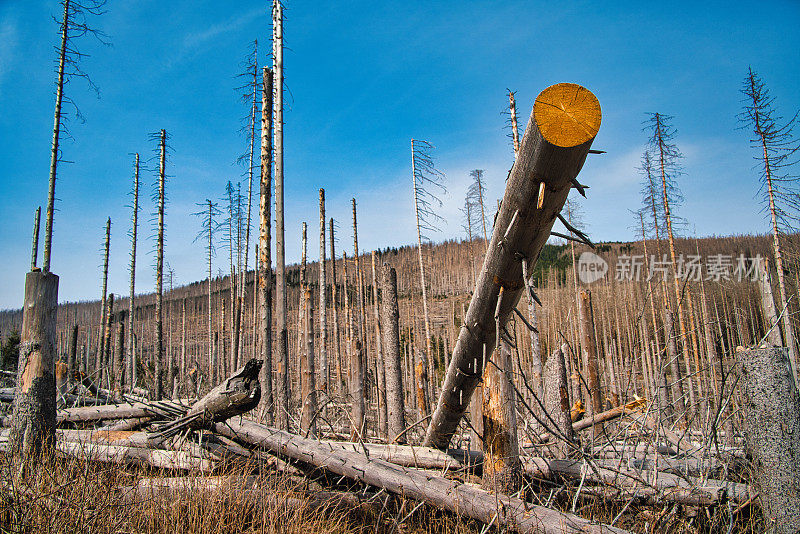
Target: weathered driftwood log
[[238, 394], [771, 407], [33, 422], [162, 409], [447, 494], [562, 126], [159, 458]]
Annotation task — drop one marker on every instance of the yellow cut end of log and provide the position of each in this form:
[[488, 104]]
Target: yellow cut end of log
[[567, 114]]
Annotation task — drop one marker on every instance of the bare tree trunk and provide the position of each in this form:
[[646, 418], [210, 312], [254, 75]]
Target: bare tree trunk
[[35, 240], [72, 361], [395, 394], [557, 404], [768, 307], [118, 352], [589, 350], [355, 369], [159, 355], [132, 297], [502, 470], [308, 415], [251, 155], [771, 406], [282, 411], [324, 373], [105, 366], [362, 318], [265, 250], [51, 194], [673, 257], [380, 361], [340, 386], [33, 423], [512, 108], [103, 303], [563, 124], [672, 356], [182, 374], [428, 350]]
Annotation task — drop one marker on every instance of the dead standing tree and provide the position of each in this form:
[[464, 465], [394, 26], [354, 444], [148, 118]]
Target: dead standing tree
[[777, 148], [131, 356], [282, 353], [160, 198], [560, 132], [249, 94], [666, 155], [427, 182], [395, 394], [34, 411], [209, 214], [99, 361], [265, 249]]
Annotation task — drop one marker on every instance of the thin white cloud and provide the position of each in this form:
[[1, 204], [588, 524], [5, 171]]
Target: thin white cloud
[[195, 40], [8, 45]]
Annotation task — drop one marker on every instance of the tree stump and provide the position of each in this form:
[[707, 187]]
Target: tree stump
[[33, 423], [771, 406]]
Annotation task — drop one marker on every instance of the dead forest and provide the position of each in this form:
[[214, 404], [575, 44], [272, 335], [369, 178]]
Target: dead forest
[[521, 378]]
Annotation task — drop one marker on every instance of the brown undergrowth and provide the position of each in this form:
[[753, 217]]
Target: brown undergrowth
[[63, 495]]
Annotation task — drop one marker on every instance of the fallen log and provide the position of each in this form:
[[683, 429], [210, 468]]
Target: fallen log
[[237, 491], [440, 492], [602, 417], [560, 131], [413, 456], [162, 409], [158, 458], [716, 490]]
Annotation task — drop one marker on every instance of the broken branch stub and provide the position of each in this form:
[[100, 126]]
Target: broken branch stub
[[562, 126]]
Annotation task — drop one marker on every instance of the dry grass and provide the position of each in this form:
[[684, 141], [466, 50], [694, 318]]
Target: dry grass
[[70, 495]]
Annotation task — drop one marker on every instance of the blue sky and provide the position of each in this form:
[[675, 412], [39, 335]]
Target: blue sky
[[362, 79]]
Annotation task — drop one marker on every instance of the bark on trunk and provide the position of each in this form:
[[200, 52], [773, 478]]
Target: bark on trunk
[[34, 413], [589, 350], [502, 471], [557, 404], [437, 491], [265, 250], [560, 132], [395, 394], [771, 326], [771, 406]]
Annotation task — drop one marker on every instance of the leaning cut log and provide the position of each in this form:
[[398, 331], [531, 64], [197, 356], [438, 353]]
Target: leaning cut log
[[560, 131], [771, 407], [447, 494]]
